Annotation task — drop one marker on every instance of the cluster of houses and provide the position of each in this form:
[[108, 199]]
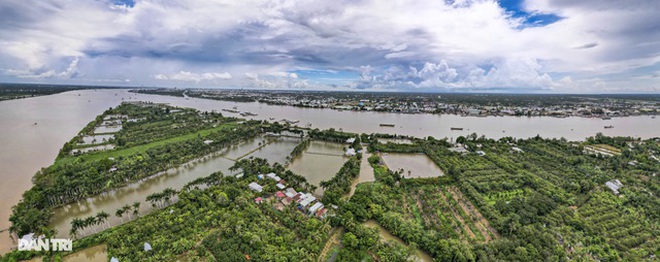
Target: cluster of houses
[[286, 196]]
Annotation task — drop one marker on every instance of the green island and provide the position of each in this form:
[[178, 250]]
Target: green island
[[509, 199], [9, 91]]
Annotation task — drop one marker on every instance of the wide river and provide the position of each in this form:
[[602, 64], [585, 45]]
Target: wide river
[[32, 130]]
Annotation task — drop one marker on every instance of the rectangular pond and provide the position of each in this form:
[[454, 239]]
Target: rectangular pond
[[413, 165], [319, 162], [98, 139]]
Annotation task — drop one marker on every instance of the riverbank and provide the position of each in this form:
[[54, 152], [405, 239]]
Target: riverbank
[[28, 147]]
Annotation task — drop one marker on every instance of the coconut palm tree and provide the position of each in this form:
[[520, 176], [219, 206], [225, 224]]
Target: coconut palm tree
[[136, 209], [91, 222], [127, 208], [103, 217], [76, 224], [120, 214]]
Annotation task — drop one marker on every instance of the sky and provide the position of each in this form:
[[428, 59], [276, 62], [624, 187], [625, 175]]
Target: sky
[[519, 46]]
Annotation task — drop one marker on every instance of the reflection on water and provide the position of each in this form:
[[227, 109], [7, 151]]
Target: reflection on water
[[174, 178], [277, 151], [93, 254], [421, 256], [88, 140], [413, 165], [319, 162], [26, 147]]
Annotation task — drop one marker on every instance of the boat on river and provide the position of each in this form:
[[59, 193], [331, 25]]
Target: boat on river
[[456, 128], [610, 126], [387, 125]]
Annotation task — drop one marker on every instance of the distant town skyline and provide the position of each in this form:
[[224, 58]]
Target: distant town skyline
[[511, 46]]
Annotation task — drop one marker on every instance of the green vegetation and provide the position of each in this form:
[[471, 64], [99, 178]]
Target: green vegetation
[[546, 203], [76, 177], [17, 91], [521, 200], [341, 183], [299, 149]]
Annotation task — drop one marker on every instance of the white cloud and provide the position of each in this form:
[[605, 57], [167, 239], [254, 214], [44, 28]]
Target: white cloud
[[193, 77], [69, 72], [406, 43]]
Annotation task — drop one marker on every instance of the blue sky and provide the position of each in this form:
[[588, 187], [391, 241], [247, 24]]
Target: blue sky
[[552, 46]]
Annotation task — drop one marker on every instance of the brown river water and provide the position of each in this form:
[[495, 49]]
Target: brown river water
[[32, 131]]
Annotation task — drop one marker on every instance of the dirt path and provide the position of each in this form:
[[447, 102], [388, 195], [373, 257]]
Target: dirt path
[[333, 240], [482, 224], [253, 150], [420, 208], [458, 217]]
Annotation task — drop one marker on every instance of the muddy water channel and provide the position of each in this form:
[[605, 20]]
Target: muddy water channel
[[93, 254], [319, 162], [413, 165], [275, 150], [387, 236]]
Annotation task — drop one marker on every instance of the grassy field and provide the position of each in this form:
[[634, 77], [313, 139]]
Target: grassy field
[[142, 148]]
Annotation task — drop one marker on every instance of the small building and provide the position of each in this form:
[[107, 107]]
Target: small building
[[614, 185], [460, 150], [238, 176], [280, 186], [279, 194], [481, 153], [350, 140], [309, 198], [260, 177], [208, 142], [279, 206], [256, 187], [290, 192], [298, 197], [321, 213], [350, 152], [312, 210], [147, 246], [516, 150], [258, 200]]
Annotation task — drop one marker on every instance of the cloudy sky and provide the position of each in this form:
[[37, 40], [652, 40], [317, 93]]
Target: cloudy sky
[[586, 46]]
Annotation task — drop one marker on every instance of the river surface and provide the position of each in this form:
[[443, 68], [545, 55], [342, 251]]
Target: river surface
[[34, 129]]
